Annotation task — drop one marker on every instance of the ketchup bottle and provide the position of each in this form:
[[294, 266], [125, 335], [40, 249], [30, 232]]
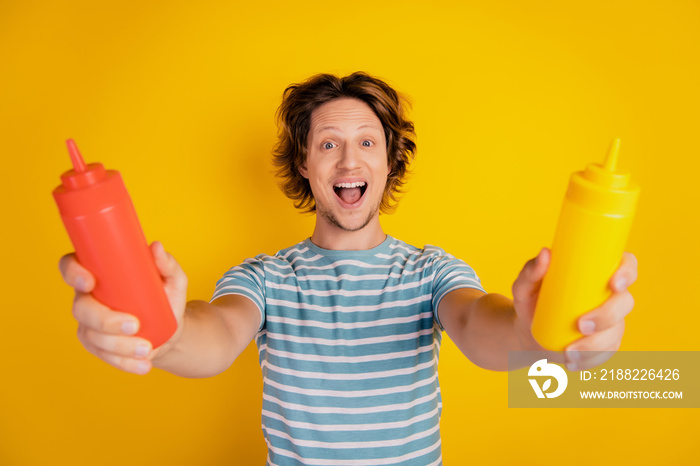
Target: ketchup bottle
[[594, 223], [108, 240]]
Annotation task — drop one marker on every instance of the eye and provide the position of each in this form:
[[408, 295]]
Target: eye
[[328, 145], [367, 143]]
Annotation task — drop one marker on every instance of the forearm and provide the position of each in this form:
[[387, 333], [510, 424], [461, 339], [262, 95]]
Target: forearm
[[204, 346], [487, 329]]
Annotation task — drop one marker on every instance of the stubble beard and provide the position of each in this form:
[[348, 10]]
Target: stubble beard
[[328, 215]]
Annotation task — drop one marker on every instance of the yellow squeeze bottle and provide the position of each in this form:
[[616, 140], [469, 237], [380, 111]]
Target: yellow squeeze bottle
[[590, 238]]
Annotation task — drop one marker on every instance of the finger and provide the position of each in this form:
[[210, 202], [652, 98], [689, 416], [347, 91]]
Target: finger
[[120, 345], [124, 363], [92, 314], [74, 274], [168, 267], [608, 340], [589, 359], [626, 273], [609, 314]]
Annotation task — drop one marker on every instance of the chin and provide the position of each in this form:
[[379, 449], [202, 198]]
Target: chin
[[349, 224]]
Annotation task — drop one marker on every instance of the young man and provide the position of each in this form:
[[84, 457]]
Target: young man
[[347, 322]]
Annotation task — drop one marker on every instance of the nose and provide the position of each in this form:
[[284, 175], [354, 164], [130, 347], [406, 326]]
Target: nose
[[349, 157]]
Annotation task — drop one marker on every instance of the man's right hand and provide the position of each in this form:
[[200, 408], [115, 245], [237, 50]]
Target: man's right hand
[[108, 334]]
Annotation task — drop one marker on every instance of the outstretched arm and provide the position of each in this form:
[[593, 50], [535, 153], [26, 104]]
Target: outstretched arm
[[486, 326], [208, 339]]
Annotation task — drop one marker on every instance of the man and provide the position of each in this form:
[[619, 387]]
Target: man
[[347, 322]]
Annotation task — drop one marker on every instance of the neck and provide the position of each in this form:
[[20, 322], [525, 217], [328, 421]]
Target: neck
[[329, 236]]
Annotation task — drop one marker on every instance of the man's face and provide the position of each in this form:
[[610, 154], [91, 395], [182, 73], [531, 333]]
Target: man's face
[[346, 163]]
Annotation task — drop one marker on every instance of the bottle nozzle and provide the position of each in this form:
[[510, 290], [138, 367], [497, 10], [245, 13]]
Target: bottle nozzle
[[75, 157], [606, 175], [82, 174], [611, 160]]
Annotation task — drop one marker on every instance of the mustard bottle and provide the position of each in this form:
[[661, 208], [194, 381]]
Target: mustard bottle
[[594, 224]]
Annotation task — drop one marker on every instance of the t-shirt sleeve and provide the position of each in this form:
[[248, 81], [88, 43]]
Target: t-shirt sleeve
[[246, 279], [450, 274]]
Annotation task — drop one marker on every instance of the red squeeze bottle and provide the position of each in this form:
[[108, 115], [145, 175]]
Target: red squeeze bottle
[[102, 224]]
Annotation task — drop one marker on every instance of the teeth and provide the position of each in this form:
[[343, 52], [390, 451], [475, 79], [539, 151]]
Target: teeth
[[357, 184]]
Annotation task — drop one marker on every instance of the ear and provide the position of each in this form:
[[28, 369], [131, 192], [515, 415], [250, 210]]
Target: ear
[[304, 172]]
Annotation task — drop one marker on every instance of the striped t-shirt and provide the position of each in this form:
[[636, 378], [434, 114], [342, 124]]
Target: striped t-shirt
[[348, 345]]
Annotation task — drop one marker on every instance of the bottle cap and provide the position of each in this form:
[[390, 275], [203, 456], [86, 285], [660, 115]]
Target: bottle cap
[[602, 188], [606, 175], [87, 188], [81, 175]]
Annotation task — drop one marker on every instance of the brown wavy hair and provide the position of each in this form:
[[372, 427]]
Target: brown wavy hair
[[294, 122]]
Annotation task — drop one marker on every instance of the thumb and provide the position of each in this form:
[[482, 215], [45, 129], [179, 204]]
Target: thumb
[[168, 267], [526, 287], [174, 278]]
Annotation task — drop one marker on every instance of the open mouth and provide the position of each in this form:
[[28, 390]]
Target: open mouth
[[350, 193]]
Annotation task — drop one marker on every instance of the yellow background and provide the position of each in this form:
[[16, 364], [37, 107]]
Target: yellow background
[[508, 98]]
